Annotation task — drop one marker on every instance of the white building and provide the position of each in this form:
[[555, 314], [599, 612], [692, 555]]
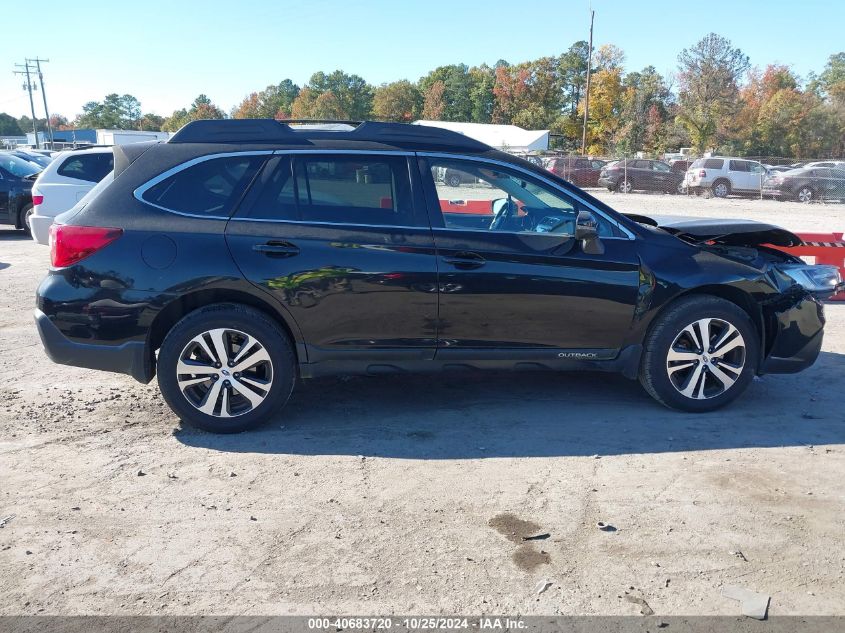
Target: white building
[[507, 137]]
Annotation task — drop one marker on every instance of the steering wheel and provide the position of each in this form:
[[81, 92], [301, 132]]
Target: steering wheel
[[503, 211]]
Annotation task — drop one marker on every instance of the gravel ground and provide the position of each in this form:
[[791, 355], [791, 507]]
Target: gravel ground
[[412, 495]]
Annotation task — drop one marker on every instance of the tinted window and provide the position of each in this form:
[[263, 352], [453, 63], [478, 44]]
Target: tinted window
[[368, 190], [597, 164], [640, 164], [90, 167], [714, 163], [738, 165], [210, 187], [658, 166]]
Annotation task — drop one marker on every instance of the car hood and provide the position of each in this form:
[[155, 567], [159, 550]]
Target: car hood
[[721, 231]]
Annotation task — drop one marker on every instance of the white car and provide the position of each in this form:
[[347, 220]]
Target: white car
[[724, 175], [63, 183]]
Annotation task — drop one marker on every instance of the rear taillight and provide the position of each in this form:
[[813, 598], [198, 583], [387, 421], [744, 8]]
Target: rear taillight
[[70, 244], [702, 174], [36, 200]]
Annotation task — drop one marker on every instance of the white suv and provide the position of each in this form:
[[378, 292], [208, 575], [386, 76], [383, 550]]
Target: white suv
[[63, 183], [724, 175]]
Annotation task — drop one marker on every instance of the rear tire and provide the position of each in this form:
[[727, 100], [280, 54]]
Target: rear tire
[[25, 214], [721, 188], [700, 354], [231, 394], [624, 186]]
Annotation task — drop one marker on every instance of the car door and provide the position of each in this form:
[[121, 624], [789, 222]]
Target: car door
[[740, 176], [642, 175], [837, 184], [662, 175], [341, 241], [517, 280], [5, 187]]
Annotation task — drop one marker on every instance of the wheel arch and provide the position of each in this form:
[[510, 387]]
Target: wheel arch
[[185, 304], [733, 294]]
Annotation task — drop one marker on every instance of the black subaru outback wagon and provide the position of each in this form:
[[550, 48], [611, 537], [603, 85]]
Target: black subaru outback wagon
[[242, 254]]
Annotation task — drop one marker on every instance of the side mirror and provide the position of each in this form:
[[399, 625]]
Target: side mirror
[[586, 232]]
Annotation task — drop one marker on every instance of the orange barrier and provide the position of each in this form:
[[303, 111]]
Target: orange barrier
[[482, 207], [823, 248]]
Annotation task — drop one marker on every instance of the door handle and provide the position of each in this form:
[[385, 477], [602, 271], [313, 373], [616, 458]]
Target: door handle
[[465, 260], [277, 249]]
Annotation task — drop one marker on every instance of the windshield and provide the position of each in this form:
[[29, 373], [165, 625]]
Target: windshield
[[18, 166]]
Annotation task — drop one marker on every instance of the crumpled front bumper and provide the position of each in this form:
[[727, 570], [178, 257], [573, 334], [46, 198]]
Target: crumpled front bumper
[[798, 330]]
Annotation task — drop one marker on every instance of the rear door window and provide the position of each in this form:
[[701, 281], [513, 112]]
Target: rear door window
[[211, 187], [738, 165], [658, 166], [339, 189], [88, 167]]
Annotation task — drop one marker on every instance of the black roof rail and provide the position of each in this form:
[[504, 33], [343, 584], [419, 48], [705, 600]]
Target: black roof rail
[[272, 131]]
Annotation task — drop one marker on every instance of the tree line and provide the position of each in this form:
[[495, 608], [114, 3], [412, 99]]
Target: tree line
[[715, 101]]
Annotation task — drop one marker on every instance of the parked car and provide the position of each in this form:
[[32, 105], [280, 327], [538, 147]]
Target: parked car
[[39, 159], [583, 172], [16, 178], [242, 255], [629, 174], [63, 183], [833, 164], [724, 175], [777, 168], [806, 184]]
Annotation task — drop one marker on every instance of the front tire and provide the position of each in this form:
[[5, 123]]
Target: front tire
[[226, 368], [805, 195], [700, 354]]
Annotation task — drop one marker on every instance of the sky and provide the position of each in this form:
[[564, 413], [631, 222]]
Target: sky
[[165, 53]]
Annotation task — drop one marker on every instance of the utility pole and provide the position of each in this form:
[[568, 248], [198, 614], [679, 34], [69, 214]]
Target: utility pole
[[28, 88], [43, 95], [587, 93]]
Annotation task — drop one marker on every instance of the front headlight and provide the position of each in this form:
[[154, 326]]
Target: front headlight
[[816, 278]]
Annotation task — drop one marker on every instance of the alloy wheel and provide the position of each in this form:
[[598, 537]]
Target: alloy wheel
[[224, 372], [805, 195], [625, 186], [706, 358], [720, 190]]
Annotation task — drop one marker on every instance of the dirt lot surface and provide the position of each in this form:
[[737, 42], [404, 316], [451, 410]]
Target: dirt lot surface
[[413, 495]]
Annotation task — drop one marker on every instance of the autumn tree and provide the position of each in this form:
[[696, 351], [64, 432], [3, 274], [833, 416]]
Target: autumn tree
[[644, 112], [709, 76], [201, 108], [274, 102], [398, 101], [434, 103]]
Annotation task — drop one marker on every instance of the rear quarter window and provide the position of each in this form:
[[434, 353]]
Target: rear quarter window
[[211, 187], [88, 167], [714, 163]]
